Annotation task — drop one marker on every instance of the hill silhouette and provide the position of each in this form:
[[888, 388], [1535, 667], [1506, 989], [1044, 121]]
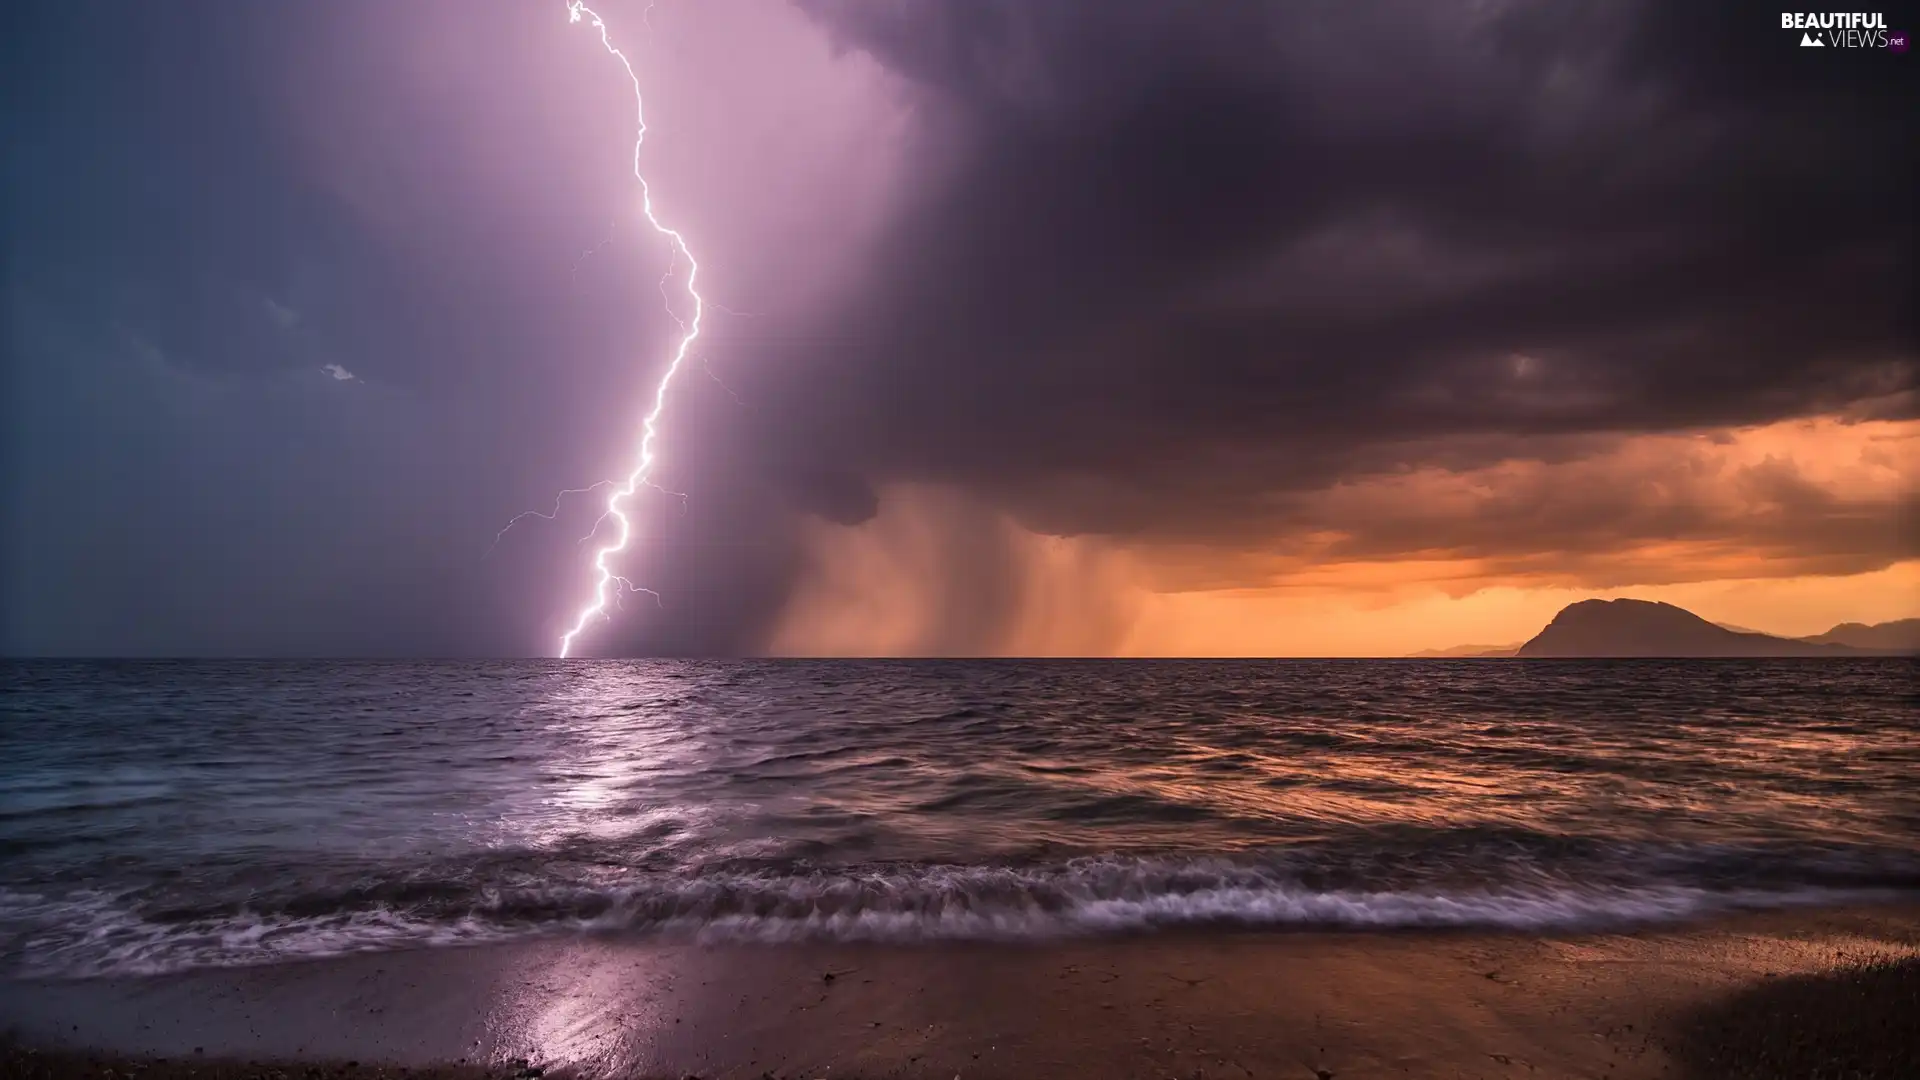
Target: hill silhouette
[[1620, 628], [1900, 635], [1459, 652]]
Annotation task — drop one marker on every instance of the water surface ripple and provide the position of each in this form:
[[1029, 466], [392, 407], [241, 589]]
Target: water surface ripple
[[161, 815]]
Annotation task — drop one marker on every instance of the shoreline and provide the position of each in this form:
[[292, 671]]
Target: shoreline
[[1640, 1003]]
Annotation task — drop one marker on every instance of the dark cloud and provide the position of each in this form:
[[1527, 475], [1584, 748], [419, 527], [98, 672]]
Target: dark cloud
[[1174, 261], [1153, 272]]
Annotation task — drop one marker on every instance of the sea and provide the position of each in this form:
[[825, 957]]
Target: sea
[[160, 816]]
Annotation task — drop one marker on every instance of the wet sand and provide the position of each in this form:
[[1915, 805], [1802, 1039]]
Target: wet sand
[[1778, 994]]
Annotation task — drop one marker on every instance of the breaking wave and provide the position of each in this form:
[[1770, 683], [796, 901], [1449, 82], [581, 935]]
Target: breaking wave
[[157, 817], [90, 934]]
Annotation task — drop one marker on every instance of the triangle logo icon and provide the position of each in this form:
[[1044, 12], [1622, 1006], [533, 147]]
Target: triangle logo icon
[[1809, 41]]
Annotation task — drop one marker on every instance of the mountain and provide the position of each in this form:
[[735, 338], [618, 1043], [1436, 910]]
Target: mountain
[[1464, 652], [1600, 628], [1900, 635]]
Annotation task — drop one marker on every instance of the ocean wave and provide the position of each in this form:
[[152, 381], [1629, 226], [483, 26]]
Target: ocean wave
[[90, 934]]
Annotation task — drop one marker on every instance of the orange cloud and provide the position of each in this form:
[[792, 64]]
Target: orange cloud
[[1789, 528]]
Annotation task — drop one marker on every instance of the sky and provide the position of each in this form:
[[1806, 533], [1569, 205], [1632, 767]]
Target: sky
[[1036, 327]]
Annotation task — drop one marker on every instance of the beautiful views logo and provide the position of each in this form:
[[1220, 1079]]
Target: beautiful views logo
[[1844, 30]]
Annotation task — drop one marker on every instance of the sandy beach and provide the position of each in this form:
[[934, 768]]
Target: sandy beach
[[1754, 995]]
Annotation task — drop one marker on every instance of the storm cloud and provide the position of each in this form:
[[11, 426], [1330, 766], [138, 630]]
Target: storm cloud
[[1205, 258], [1152, 275]]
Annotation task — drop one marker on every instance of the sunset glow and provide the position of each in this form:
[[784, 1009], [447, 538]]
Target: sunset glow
[[1789, 528]]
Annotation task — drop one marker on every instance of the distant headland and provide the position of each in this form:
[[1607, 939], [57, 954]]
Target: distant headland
[[1627, 628]]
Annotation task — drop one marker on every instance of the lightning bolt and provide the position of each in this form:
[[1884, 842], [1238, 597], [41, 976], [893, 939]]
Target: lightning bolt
[[590, 252], [557, 499], [605, 578]]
